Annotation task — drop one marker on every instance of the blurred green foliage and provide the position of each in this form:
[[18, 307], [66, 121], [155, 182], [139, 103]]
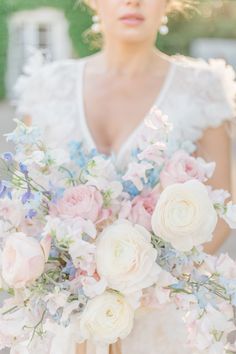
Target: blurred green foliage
[[208, 20]]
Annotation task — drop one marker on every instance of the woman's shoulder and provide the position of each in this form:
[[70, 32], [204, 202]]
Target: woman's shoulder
[[211, 83], [213, 69], [43, 81]]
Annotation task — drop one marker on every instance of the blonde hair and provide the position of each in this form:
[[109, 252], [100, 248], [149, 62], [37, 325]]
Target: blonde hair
[[173, 6], [95, 41]]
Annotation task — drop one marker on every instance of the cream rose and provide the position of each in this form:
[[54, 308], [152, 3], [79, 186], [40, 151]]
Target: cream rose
[[184, 215], [106, 318], [126, 258], [23, 260]]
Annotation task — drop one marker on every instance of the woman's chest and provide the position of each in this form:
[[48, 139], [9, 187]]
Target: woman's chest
[[113, 109]]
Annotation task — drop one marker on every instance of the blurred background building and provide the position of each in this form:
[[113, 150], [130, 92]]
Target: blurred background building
[[57, 27]]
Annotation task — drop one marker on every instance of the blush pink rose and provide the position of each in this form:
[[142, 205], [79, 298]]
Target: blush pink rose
[[81, 201], [23, 260], [182, 167], [142, 208]]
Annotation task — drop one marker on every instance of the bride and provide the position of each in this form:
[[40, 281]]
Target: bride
[[103, 99]]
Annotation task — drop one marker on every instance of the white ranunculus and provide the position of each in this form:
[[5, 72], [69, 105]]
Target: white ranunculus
[[23, 260], [184, 215], [126, 258], [106, 318]]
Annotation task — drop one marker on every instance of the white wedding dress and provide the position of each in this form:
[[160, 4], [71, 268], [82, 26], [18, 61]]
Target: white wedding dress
[[196, 94]]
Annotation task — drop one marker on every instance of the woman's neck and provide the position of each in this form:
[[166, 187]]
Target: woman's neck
[[127, 59]]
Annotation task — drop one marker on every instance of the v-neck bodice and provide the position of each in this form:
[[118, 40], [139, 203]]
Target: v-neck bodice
[[84, 121], [195, 95]]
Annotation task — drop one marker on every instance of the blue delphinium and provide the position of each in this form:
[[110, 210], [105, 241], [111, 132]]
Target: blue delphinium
[[77, 154], [5, 189], [69, 269], [31, 214], [153, 176], [27, 196], [130, 188], [8, 157]]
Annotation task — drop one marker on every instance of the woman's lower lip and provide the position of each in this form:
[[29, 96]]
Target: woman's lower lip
[[131, 21]]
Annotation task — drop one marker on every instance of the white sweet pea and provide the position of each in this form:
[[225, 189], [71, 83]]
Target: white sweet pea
[[93, 287], [20, 348], [114, 188], [100, 172], [136, 173], [218, 196], [83, 255], [230, 215], [164, 280], [69, 229], [208, 167], [56, 299], [11, 211], [64, 338], [184, 215], [11, 326], [153, 152], [106, 318], [41, 158], [126, 258], [205, 329]]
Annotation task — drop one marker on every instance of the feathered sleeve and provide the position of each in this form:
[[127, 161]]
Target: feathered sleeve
[[220, 93], [208, 91], [46, 91]]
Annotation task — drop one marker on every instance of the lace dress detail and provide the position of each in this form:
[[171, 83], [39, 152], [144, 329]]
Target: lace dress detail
[[200, 94], [46, 92], [203, 95]]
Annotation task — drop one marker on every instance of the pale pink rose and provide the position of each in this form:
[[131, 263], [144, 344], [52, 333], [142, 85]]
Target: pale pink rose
[[23, 260], [142, 208], [182, 167], [81, 201], [104, 215]]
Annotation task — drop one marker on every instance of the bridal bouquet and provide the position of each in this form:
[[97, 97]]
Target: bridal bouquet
[[85, 245]]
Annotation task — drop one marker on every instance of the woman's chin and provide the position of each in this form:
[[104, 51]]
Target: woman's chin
[[133, 35]]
